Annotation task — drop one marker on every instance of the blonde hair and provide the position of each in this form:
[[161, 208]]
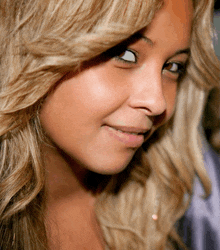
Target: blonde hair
[[43, 40]]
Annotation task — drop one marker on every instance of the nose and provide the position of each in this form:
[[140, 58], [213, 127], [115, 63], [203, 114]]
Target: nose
[[147, 92]]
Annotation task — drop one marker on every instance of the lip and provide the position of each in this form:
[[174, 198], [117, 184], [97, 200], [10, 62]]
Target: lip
[[132, 137], [135, 130]]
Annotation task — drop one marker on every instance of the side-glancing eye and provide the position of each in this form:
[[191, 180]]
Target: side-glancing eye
[[176, 68], [128, 56]]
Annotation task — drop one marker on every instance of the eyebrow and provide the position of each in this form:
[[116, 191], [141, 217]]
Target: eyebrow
[[182, 51], [149, 41]]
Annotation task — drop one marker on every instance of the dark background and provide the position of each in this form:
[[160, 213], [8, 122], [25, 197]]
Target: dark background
[[217, 4]]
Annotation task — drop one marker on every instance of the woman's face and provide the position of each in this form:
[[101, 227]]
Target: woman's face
[[102, 115]]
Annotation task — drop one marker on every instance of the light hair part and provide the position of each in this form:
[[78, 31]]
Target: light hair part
[[41, 41]]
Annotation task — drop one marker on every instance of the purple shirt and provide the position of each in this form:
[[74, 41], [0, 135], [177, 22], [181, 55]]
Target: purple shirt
[[200, 226]]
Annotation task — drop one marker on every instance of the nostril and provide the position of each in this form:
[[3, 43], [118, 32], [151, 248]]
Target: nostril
[[159, 119]]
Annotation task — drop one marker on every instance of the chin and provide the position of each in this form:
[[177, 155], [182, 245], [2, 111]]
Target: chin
[[110, 168]]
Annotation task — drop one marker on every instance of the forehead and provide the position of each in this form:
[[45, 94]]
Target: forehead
[[173, 20]]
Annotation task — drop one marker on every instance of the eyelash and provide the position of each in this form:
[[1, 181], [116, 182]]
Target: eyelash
[[181, 66], [134, 53]]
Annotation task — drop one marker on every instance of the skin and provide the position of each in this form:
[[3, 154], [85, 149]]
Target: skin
[[79, 114]]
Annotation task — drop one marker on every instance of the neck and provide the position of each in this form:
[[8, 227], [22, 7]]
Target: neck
[[65, 178], [70, 212]]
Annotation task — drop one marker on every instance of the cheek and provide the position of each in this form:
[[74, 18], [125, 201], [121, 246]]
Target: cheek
[[79, 104]]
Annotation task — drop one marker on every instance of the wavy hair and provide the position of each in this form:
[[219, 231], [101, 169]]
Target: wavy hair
[[40, 42]]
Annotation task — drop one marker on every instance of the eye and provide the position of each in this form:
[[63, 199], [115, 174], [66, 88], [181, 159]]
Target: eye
[[128, 56], [177, 68]]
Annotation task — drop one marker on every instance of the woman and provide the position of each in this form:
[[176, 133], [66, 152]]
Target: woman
[[84, 84]]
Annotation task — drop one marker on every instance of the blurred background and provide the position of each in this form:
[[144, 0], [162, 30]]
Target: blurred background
[[217, 26], [211, 119], [217, 3]]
